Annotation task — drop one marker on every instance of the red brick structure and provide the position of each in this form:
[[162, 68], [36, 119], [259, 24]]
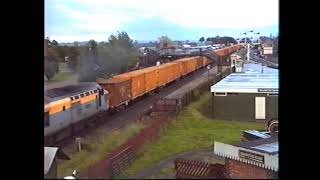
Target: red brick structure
[[257, 159], [240, 170]]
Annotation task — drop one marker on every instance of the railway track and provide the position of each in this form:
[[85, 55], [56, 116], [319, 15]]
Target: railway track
[[109, 123]]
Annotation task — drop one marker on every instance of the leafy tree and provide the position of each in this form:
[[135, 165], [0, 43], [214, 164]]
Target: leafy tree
[[54, 43], [165, 41], [201, 39], [112, 57], [51, 65]]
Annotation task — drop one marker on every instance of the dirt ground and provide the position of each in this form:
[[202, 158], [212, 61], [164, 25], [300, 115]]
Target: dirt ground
[[165, 168]]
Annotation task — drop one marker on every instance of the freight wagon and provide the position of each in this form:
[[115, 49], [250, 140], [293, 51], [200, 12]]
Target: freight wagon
[[69, 109], [126, 87]]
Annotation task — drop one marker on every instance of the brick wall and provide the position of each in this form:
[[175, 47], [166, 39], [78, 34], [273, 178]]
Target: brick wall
[[239, 170]]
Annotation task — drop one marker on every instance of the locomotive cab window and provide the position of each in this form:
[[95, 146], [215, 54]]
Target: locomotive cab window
[[46, 119]]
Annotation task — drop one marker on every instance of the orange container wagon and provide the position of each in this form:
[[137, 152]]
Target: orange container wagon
[[151, 79], [137, 82], [199, 62], [176, 68], [187, 65], [192, 62], [119, 90], [166, 74]]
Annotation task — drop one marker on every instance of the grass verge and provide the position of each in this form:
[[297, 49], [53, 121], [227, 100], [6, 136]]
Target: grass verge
[[97, 149], [190, 130], [61, 76]]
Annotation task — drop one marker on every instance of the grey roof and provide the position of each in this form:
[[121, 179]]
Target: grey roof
[[268, 145], [251, 81], [67, 91], [257, 68], [49, 155], [257, 133]]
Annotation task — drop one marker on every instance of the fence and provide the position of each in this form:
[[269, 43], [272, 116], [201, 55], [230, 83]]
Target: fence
[[192, 169], [163, 110]]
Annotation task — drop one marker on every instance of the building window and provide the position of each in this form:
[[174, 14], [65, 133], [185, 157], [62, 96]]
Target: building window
[[233, 94], [46, 119], [87, 93], [220, 94], [95, 91], [76, 97], [272, 94], [82, 95], [63, 108]]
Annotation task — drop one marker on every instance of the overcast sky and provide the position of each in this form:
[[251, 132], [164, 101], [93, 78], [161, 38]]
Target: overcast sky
[[82, 20]]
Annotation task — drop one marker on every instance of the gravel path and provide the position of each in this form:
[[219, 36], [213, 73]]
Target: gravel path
[[199, 154]]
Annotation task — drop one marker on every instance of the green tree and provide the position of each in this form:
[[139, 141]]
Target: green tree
[[112, 57], [201, 39], [51, 65], [54, 43], [165, 41]]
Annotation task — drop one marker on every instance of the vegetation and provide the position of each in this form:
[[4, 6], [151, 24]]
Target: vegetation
[[221, 40], [201, 39], [165, 41], [61, 76], [190, 130], [96, 150], [92, 60]]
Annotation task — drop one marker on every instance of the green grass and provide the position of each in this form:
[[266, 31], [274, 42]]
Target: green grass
[[97, 150], [61, 76], [190, 130]]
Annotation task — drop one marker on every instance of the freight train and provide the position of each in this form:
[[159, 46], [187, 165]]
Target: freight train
[[68, 109]]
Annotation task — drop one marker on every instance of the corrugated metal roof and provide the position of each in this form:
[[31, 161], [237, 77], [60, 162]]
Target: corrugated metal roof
[[49, 155], [261, 145], [258, 133], [257, 68], [272, 147], [251, 81]]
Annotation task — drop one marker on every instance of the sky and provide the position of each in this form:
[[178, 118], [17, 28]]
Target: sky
[[146, 20]]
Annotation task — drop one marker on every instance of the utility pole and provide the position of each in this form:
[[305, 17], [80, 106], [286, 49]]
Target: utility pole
[[208, 68], [248, 51]]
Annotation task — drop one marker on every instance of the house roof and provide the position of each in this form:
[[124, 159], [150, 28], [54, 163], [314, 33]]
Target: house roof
[[251, 81], [264, 145], [49, 154], [262, 152]]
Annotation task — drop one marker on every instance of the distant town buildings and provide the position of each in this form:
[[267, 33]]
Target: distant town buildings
[[267, 50]]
